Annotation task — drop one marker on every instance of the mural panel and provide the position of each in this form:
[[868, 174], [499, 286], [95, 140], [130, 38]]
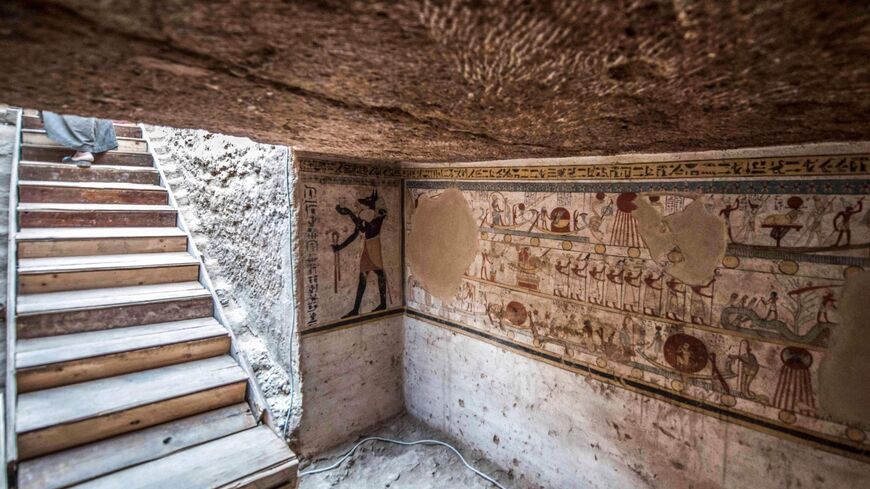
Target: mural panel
[[594, 276], [351, 244]]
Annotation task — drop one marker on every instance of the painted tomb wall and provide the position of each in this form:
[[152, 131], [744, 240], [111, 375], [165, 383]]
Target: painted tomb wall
[[710, 289], [350, 285]]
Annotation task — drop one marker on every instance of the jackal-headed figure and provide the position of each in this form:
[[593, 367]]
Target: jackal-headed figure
[[368, 222]]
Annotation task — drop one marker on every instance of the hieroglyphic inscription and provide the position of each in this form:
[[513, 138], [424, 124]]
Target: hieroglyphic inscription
[[857, 164], [309, 244]]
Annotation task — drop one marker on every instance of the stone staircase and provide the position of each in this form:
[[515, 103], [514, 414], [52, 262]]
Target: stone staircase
[[122, 375]]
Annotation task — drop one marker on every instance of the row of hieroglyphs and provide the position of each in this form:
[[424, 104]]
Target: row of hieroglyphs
[[797, 166]]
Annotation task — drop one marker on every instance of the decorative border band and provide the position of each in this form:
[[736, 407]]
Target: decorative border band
[[347, 169], [354, 321], [776, 166], [720, 412], [791, 186]]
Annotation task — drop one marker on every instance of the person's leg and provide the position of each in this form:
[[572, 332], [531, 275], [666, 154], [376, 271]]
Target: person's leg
[[360, 291], [78, 133], [86, 135], [382, 290]]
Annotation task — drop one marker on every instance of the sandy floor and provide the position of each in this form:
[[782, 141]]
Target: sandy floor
[[381, 465]]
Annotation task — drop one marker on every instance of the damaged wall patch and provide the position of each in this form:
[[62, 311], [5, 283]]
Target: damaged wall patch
[[442, 243]]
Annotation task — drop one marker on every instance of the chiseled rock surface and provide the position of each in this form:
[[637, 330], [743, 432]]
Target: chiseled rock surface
[[232, 193], [448, 80]]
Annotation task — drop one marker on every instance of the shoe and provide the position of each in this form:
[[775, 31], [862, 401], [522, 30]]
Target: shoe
[[81, 163]]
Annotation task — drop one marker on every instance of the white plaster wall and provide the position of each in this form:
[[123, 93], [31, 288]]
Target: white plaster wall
[[563, 430], [233, 194], [351, 380]]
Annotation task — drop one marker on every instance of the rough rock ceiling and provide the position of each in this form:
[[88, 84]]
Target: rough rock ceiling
[[453, 80]]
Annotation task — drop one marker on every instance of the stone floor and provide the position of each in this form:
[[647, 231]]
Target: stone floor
[[378, 465]]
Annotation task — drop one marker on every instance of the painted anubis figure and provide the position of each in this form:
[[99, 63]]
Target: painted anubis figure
[[368, 222]]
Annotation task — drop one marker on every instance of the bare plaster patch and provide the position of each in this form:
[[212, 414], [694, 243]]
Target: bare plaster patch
[[443, 243], [693, 241], [844, 372]]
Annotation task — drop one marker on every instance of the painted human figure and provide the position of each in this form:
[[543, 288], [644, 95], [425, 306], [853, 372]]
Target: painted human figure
[[631, 300], [368, 222], [747, 370], [676, 308], [750, 218], [564, 287], [652, 294], [544, 220], [657, 342], [580, 273], [485, 265], [817, 215], [497, 213], [516, 212], [770, 302], [640, 338], [598, 276], [841, 221], [725, 213], [684, 356], [699, 301], [587, 335], [828, 303], [613, 297], [625, 338]]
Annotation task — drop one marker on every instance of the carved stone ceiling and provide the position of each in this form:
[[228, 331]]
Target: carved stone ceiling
[[448, 81]]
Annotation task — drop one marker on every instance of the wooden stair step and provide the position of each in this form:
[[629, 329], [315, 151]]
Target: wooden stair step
[[44, 215], [55, 313], [30, 121], [54, 274], [63, 417], [65, 264], [54, 154], [53, 361], [75, 465], [252, 459], [46, 242], [38, 137], [65, 172], [91, 192]]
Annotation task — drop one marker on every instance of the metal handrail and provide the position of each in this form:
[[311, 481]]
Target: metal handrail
[[255, 396], [11, 391]]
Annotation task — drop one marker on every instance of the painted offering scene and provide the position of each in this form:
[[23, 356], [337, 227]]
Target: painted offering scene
[[728, 299]]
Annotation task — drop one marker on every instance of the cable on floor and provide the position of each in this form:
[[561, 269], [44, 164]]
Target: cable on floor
[[407, 444]]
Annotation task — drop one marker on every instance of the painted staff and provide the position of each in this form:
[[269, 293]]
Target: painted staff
[[336, 275]]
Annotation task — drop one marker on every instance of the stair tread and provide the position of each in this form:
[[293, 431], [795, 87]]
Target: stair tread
[[33, 206], [76, 465], [71, 403], [218, 463], [38, 137], [42, 131], [94, 185], [104, 262], [71, 300], [75, 346], [33, 116], [36, 234], [59, 147], [50, 164]]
